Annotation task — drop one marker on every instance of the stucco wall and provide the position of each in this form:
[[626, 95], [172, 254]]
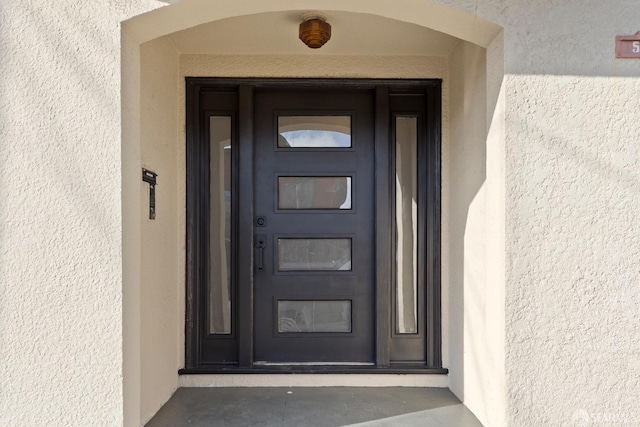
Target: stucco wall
[[571, 174], [162, 272], [465, 247], [494, 383], [572, 250], [570, 165], [70, 260], [60, 212], [473, 195]]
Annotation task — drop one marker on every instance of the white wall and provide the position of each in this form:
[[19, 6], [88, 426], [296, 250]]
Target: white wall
[[473, 252], [71, 260], [105, 262], [572, 197], [494, 194], [474, 247], [162, 272], [60, 212]]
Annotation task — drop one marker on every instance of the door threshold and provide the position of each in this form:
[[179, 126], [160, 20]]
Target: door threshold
[[312, 369], [272, 378], [262, 363]]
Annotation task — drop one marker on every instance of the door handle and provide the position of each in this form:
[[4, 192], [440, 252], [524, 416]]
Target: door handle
[[260, 243]]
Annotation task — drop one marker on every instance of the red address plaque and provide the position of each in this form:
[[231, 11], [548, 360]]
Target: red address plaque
[[628, 46]]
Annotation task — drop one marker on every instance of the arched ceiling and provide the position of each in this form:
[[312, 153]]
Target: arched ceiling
[[277, 33]]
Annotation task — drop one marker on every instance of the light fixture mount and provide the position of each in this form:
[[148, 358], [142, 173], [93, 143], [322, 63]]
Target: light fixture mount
[[314, 30]]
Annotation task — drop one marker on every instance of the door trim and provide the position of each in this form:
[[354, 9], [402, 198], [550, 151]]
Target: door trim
[[383, 226], [243, 291]]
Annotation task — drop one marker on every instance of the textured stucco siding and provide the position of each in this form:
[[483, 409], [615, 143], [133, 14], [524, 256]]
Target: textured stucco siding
[[573, 249], [571, 141], [547, 300], [162, 273], [60, 222], [471, 251], [572, 230]]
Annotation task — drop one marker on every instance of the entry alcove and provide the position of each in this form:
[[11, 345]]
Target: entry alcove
[[163, 48]]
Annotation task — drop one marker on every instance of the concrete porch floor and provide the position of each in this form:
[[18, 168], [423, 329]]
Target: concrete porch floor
[[317, 406]]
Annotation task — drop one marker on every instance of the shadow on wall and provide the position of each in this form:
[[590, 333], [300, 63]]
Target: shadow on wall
[[464, 203], [46, 155]]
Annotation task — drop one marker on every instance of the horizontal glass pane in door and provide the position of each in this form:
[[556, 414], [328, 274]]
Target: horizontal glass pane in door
[[314, 316], [314, 192], [314, 131], [315, 254]]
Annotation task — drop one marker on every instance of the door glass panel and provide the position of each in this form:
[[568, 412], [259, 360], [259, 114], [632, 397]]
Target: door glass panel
[[406, 190], [314, 316], [220, 225], [314, 192], [314, 254], [314, 131]]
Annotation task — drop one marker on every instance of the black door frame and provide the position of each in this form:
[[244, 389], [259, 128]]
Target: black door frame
[[196, 205]]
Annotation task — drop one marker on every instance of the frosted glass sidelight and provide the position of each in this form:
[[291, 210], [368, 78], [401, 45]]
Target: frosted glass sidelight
[[316, 254], [406, 194], [220, 225], [314, 131], [314, 192], [314, 316]]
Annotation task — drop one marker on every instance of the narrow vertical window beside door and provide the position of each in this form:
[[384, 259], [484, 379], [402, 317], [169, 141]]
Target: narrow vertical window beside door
[[220, 225], [406, 194]]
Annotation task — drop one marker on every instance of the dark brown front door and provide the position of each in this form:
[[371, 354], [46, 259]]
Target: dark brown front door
[[314, 241]]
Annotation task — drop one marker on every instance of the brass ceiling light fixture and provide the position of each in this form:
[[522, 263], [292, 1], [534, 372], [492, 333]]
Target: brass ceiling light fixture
[[314, 30]]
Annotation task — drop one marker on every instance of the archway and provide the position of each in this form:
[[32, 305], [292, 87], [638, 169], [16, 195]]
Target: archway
[[160, 48]]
